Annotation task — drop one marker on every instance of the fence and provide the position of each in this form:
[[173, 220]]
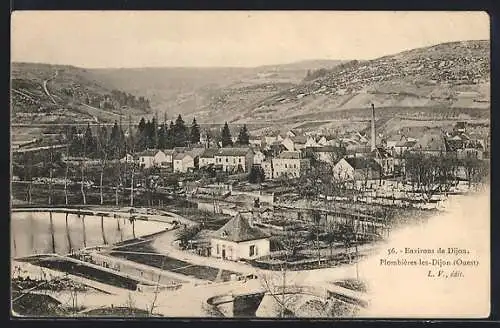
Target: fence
[[263, 198]]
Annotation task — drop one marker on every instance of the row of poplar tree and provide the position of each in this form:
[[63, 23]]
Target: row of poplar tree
[[149, 135]]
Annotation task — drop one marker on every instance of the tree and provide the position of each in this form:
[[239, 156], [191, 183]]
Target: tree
[[256, 174], [284, 293], [314, 233], [154, 134], [346, 235], [291, 243], [243, 137], [89, 141], [142, 134], [187, 234], [195, 132], [102, 147], [472, 166], [226, 138], [170, 136], [331, 236], [180, 133], [116, 143], [163, 136]]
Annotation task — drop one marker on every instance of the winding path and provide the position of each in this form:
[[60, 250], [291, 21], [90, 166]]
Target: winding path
[[191, 299], [47, 90]]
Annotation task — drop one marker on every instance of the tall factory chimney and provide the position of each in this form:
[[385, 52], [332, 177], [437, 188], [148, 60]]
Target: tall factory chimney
[[373, 139]]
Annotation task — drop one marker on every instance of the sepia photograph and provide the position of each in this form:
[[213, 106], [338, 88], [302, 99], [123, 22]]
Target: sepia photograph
[[250, 164]]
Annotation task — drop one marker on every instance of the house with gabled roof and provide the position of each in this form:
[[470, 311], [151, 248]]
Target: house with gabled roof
[[148, 158], [431, 143], [183, 162], [239, 239], [234, 159], [357, 168], [208, 157], [293, 143], [289, 164], [327, 154], [169, 155]]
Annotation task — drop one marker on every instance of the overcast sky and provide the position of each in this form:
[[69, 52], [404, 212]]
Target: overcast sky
[[245, 38]]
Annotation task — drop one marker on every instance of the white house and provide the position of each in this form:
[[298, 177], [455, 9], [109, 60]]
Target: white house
[[169, 157], [327, 141], [183, 162], [239, 239], [161, 159], [128, 158], [289, 163], [357, 168], [295, 143], [255, 141], [327, 154], [208, 157], [234, 159], [311, 142], [275, 137], [196, 152], [147, 158]]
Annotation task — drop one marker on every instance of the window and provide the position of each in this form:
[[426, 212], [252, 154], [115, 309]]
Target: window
[[239, 160], [286, 166], [227, 159], [218, 250], [256, 251], [252, 250]]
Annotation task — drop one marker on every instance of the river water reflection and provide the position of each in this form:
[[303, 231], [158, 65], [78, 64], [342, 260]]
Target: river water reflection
[[44, 232]]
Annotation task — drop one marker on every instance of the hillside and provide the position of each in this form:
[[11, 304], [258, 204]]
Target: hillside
[[449, 80], [56, 94], [211, 93]]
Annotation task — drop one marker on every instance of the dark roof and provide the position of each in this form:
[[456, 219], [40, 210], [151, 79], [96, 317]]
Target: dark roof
[[299, 139], [148, 152], [196, 152], [290, 155], [238, 229], [326, 149], [180, 156], [362, 163], [209, 153], [169, 151], [431, 142], [233, 151], [181, 149]]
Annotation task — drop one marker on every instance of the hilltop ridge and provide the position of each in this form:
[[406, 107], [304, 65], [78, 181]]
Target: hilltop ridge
[[453, 75], [448, 80]]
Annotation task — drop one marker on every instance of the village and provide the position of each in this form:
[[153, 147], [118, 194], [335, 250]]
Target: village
[[293, 200], [200, 166]]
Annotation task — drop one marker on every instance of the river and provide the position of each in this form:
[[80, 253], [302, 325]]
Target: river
[[44, 232]]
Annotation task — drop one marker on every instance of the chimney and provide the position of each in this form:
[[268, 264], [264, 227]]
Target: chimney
[[374, 143]]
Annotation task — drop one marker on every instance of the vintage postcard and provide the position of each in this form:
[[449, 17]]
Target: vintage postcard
[[250, 164]]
